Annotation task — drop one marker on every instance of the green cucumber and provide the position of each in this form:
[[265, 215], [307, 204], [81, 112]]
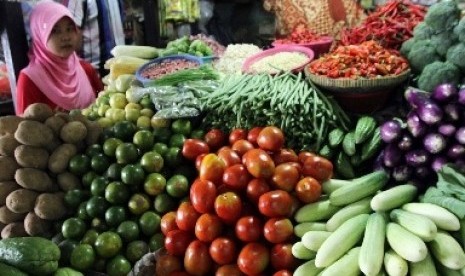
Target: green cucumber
[[364, 129]]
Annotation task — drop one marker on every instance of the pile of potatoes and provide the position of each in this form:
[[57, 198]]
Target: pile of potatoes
[[35, 150]]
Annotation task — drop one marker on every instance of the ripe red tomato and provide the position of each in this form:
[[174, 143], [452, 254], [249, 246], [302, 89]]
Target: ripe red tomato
[[168, 222], [318, 167], [281, 257], [212, 168], [177, 241], [198, 161], [229, 270], [308, 190], [229, 156], [284, 156], [303, 155], [255, 188], [249, 229], [166, 264], [253, 258], [193, 148], [258, 163], [228, 207], [271, 138], [215, 138], [275, 203], [283, 272], [236, 177], [253, 135], [223, 250], [285, 177], [242, 146], [237, 134], [186, 216], [202, 195], [278, 230], [296, 165], [208, 227], [197, 260]]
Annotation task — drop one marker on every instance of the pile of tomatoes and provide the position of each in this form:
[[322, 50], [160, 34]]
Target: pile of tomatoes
[[237, 220]]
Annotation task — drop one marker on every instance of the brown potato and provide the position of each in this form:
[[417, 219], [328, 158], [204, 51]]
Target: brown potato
[[94, 131], [33, 133], [38, 112], [73, 132], [52, 146], [14, 229], [6, 216], [68, 181], [34, 179], [63, 115], [55, 123], [59, 159], [31, 157], [6, 187], [8, 167], [8, 144], [36, 226], [50, 206], [9, 124], [21, 201]]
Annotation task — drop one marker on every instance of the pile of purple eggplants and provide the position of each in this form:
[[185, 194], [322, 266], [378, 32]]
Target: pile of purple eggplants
[[431, 135]]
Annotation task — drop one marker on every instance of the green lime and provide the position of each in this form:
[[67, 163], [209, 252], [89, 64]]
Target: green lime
[[108, 244], [182, 126], [124, 130], [126, 153], [110, 145], [74, 197], [161, 134], [143, 139], [117, 193], [66, 249], [156, 242], [132, 174], [82, 257], [160, 122], [152, 162], [177, 186], [146, 102], [164, 203], [88, 177], [154, 184], [94, 149], [139, 203], [149, 223], [90, 237], [96, 206], [107, 132], [115, 215], [79, 164], [161, 148], [114, 171], [99, 163], [82, 212], [73, 228], [118, 266], [197, 134], [135, 250], [98, 186], [173, 157], [177, 140], [128, 230]]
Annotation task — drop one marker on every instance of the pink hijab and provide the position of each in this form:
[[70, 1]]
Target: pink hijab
[[62, 80]]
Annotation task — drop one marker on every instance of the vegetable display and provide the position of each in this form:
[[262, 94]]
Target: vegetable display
[[184, 45], [299, 35]]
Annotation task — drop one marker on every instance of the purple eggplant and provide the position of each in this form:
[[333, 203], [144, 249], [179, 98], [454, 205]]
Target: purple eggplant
[[391, 130], [416, 97], [444, 92], [456, 152], [434, 143], [378, 163], [460, 135], [416, 126], [438, 162], [430, 113], [402, 173], [461, 97], [417, 157], [447, 129], [406, 142], [392, 155], [452, 111]]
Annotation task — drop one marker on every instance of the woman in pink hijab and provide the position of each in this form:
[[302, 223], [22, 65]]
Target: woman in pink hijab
[[55, 74]]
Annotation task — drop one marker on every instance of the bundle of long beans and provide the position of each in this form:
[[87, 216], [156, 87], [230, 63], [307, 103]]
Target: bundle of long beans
[[287, 101]]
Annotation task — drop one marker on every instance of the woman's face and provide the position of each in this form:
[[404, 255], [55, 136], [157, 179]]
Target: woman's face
[[64, 38]]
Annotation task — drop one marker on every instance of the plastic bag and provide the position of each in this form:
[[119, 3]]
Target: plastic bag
[[177, 112], [200, 88], [182, 98], [135, 94], [206, 13]]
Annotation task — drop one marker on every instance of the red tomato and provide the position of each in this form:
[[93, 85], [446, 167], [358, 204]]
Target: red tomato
[[197, 260], [271, 138], [223, 250], [223, 188], [193, 148], [281, 257], [229, 270], [296, 165], [198, 161], [168, 222], [275, 203], [212, 168], [228, 207], [186, 216], [237, 134], [177, 241], [202, 195], [255, 188], [208, 227], [215, 138], [283, 272], [303, 155], [166, 264], [285, 177], [308, 190], [284, 156], [253, 258], [236, 177], [229, 156], [258, 163], [249, 229], [278, 230], [318, 167], [253, 135], [242, 146]]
